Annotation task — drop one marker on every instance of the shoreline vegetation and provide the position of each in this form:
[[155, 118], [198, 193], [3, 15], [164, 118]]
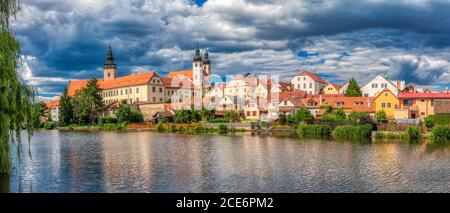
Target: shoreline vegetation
[[353, 133]]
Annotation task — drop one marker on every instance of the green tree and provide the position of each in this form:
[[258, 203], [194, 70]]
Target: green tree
[[66, 109], [123, 114], [381, 116], [359, 117], [353, 89], [232, 116], [282, 118], [92, 92], [303, 115], [81, 107], [15, 98], [37, 112], [207, 114]]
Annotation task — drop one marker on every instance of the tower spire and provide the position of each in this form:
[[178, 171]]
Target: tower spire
[[197, 56], [109, 57]]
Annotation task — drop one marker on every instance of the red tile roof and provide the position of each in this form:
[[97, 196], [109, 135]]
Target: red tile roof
[[325, 95], [176, 83], [425, 95], [130, 80], [185, 73], [336, 86], [52, 104], [313, 76], [358, 104], [291, 94], [75, 85]]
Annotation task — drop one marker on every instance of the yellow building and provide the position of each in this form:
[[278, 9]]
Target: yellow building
[[387, 101], [331, 89]]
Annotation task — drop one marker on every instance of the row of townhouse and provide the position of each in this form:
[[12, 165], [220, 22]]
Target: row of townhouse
[[264, 99]]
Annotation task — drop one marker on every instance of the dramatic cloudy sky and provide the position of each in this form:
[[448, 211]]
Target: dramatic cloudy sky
[[68, 39]]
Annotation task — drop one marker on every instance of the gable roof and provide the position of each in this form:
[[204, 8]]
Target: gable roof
[[436, 95], [52, 104], [366, 103], [185, 73], [291, 94], [384, 90], [336, 86], [130, 80], [313, 76]]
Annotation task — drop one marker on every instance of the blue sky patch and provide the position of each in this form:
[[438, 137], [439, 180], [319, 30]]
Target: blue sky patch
[[306, 54]]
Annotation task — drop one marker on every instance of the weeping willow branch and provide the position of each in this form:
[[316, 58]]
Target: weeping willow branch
[[15, 97]]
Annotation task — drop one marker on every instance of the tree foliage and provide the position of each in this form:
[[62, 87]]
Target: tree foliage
[[37, 112], [381, 116], [66, 109], [302, 115], [87, 103], [187, 116], [123, 114], [15, 97], [353, 89]]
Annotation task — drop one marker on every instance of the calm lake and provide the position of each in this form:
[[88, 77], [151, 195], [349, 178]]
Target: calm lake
[[154, 162]]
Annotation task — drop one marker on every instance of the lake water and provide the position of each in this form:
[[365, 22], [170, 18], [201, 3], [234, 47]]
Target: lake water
[[154, 162]]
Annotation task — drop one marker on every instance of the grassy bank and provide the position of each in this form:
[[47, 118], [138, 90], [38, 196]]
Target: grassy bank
[[99, 127], [353, 133], [195, 129], [313, 131]]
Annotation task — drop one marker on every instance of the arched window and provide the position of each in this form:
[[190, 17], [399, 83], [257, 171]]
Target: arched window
[[109, 75]]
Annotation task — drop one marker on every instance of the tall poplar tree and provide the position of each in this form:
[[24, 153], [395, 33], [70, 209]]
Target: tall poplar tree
[[353, 89], [95, 99], [66, 109], [15, 97]]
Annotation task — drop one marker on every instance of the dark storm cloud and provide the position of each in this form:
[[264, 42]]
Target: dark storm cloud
[[69, 38]]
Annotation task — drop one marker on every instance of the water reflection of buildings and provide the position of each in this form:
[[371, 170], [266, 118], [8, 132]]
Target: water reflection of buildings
[[128, 161]]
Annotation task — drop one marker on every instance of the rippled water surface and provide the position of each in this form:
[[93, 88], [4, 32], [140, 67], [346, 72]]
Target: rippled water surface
[[153, 162]]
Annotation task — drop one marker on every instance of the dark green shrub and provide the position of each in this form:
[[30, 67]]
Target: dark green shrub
[[313, 131], [441, 134], [49, 125], [223, 129], [160, 128], [434, 120], [282, 119], [135, 116], [412, 133], [353, 133], [173, 128]]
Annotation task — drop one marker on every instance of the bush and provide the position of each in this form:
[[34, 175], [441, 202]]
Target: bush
[[49, 125], [135, 116], [353, 133], [107, 120], [381, 116], [359, 117], [412, 133], [313, 131], [434, 120], [160, 128], [441, 134], [223, 129], [112, 127], [173, 128], [282, 119]]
